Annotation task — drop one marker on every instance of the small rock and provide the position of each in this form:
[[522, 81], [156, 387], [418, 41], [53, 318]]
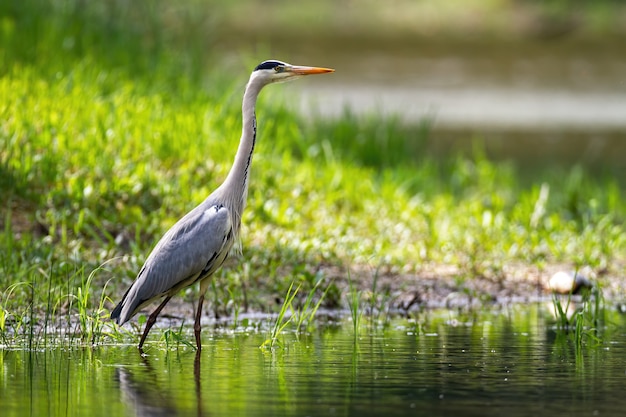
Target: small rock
[[564, 282]]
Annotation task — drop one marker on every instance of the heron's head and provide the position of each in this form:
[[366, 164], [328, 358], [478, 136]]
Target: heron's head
[[273, 71]]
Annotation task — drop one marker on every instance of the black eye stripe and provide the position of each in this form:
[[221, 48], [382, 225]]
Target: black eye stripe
[[266, 65]]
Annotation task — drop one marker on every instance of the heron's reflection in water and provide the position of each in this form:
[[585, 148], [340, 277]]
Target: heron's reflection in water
[[142, 394]]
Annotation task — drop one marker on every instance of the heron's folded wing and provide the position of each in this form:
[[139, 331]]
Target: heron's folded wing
[[181, 255]]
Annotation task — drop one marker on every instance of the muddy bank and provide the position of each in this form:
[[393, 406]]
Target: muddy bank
[[436, 288], [449, 287]]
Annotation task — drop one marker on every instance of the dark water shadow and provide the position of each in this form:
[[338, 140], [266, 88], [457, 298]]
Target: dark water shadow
[[141, 391]]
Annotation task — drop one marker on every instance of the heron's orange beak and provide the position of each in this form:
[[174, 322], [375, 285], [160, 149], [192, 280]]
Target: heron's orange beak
[[300, 70]]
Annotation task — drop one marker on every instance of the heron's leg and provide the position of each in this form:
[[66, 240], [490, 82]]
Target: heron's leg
[[152, 320], [196, 327], [204, 284]]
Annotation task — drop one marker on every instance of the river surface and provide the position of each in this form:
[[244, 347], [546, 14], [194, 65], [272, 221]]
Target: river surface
[[561, 100], [529, 85], [513, 362]]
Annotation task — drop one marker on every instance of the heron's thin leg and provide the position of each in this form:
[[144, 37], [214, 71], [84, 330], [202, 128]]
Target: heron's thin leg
[[196, 327], [204, 285], [152, 320]]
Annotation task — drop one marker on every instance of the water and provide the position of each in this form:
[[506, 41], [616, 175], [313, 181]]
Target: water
[[521, 86], [508, 363], [559, 101]]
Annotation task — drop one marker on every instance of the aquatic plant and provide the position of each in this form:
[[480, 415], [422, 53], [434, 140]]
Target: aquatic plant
[[177, 336], [92, 319], [306, 313], [282, 320], [585, 321], [354, 304]]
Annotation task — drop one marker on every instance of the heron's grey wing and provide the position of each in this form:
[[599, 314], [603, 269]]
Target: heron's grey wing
[[192, 248]]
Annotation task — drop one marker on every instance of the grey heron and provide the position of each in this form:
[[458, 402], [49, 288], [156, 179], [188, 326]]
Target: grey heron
[[198, 244]]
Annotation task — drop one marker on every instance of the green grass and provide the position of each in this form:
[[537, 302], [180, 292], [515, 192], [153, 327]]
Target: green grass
[[583, 322], [356, 312], [108, 135], [282, 320]]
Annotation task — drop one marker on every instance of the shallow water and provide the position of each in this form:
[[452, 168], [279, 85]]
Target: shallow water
[[507, 363]]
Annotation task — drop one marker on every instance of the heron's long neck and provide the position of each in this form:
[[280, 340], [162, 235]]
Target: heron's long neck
[[236, 184]]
